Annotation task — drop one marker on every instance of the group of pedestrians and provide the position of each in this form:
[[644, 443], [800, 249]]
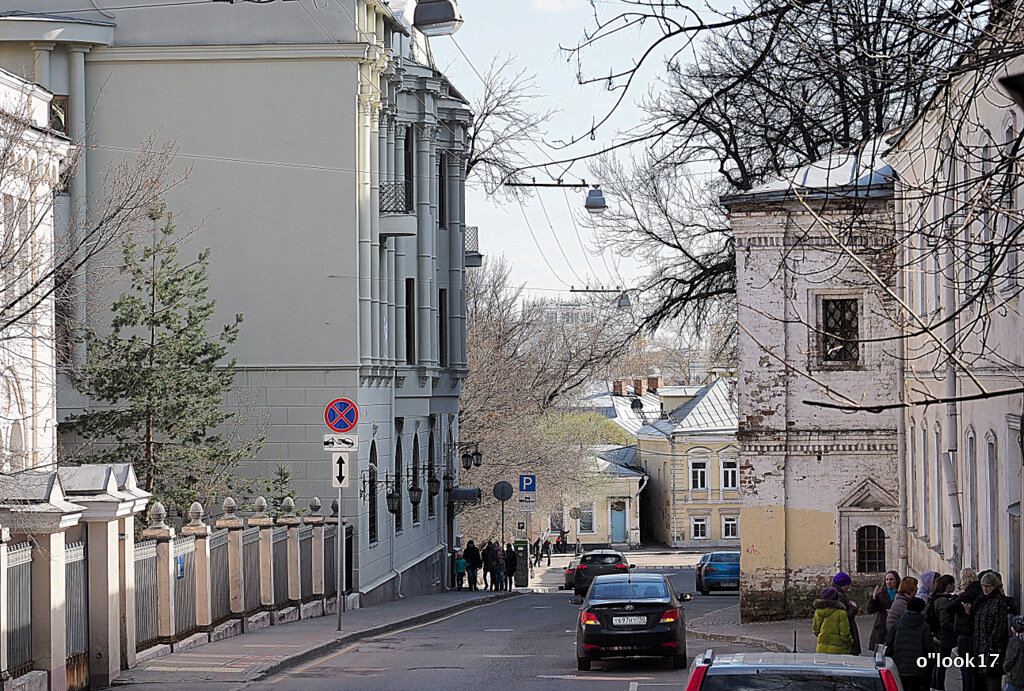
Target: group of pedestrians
[[928, 619], [497, 566]]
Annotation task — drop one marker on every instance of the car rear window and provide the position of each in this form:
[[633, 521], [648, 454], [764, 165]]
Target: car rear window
[[805, 681], [727, 558], [625, 590], [601, 559]]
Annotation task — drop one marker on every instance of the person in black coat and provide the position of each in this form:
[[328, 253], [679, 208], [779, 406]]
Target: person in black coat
[[991, 633], [942, 625], [879, 604], [473, 561], [511, 561], [909, 640], [970, 590]]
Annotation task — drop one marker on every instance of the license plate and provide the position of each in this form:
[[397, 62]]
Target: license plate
[[730, 584], [628, 621]]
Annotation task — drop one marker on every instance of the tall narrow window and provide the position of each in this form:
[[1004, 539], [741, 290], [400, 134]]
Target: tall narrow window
[[586, 517], [911, 489], [924, 480], [699, 527], [416, 475], [431, 507], [870, 549], [993, 501], [730, 474], [442, 326], [698, 474], [410, 170], [442, 190], [371, 491], [940, 488], [410, 321], [730, 527], [1009, 208], [59, 113], [398, 480], [840, 333], [971, 499]]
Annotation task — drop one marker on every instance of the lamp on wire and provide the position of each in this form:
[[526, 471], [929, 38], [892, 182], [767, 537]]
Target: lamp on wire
[[437, 17], [595, 203]]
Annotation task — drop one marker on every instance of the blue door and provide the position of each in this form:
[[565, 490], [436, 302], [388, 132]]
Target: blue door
[[619, 521]]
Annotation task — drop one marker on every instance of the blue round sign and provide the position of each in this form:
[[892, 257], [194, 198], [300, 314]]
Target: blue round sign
[[341, 415]]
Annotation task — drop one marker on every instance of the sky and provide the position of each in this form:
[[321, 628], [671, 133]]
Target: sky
[[558, 253]]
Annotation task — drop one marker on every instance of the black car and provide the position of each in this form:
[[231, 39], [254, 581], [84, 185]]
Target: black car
[[631, 615], [597, 563], [570, 574]]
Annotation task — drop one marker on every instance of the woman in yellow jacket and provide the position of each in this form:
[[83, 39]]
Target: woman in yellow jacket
[[831, 625]]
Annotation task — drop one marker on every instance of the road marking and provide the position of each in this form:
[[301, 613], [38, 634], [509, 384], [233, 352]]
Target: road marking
[[544, 607], [498, 630], [315, 662], [634, 685]]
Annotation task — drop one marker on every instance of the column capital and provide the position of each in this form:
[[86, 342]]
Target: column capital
[[44, 45], [79, 47]]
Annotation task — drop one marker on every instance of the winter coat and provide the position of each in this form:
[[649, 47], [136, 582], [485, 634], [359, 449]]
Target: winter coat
[[460, 565], [940, 620], [1013, 665], [472, 556], [964, 621], [879, 606], [991, 632], [909, 639], [511, 561], [899, 606], [499, 560], [489, 559], [832, 627], [924, 590], [851, 612]]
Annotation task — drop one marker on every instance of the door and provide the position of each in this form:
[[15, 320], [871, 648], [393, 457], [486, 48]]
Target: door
[[618, 521]]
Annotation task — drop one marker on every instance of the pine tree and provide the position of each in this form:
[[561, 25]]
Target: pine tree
[[159, 378]]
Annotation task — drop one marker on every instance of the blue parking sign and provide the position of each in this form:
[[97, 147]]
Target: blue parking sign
[[527, 483]]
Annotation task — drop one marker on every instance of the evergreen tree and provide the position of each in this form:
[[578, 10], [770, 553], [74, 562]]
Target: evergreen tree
[[159, 378]]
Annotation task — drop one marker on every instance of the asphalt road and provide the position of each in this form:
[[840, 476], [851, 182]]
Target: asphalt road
[[527, 642]]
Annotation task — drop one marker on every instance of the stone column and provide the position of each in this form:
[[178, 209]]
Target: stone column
[[432, 238], [41, 51], [317, 523], [236, 575], [126, 550], [389, 155], [454, 264], [401, 272], [363, 206], [104, 565], [5, 536], [461, 293], [375, 253], [292, 522], [266, 525], [76, 130], [164, 536], [204, 586], [49, 649], [424, 232]]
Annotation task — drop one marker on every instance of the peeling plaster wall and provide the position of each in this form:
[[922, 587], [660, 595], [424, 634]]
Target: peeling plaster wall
[[798, 463]]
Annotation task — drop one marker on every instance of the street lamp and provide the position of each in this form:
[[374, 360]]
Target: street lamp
[[437, 17], [394, 500], [415, 493], [595, 203], [433, 485], [478, 458], [467, 460], [449, 482]]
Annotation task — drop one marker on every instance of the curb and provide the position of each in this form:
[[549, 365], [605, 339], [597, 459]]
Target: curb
[[323, 648], [767, 644]]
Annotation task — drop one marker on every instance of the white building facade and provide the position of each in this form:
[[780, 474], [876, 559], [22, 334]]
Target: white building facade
[[326, 172]]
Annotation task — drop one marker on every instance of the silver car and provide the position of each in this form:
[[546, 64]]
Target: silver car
[[804, 671]]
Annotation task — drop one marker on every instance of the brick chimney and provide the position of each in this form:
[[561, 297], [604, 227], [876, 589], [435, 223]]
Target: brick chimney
[[639, 387], [655, 382], [619, 387]]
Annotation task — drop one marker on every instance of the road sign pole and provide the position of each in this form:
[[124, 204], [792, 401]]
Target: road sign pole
[[503, 522], [339, 558]]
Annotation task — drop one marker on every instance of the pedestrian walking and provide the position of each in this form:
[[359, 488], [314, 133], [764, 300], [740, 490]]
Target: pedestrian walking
[[908, 586], [511, 562], [579, 547], [991, 635], [536, 552], [942, 625], [499, 567], [563, 538], [489, 565], [908, 641], [842, 582], [831, 625], [460, 570], [473, 563], [546, 549], [969, 591], [1013, 665], [924, 591], [879, 604]]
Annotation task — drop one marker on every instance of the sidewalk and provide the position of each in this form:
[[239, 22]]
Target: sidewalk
[[550, 578], [724, 625], [260, 654]]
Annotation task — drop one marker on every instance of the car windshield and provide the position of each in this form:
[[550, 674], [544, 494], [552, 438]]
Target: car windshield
[[727, 558], [625, 590], [602, 559], [805, 681]]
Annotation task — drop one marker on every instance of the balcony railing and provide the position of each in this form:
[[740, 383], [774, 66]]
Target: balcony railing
[[396, 197]]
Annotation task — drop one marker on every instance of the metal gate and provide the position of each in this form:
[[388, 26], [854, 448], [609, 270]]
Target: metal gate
[[184, 586], [306, 562], [330, 560], [251, 568], [76, 615], [220, 601], [280, 543], [146, 631], [19, 608]]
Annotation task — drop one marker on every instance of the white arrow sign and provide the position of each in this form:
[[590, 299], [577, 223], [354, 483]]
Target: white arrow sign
[[340, 470]]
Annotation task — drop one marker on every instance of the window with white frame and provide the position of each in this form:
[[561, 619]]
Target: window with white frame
[[730, 473], [730, 527], [586, 517], [699, 471], [699, 527]]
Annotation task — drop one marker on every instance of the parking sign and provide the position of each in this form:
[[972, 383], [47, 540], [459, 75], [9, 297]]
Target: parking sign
[[527, 483]]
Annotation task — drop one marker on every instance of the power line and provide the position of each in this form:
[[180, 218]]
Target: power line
[[539, 250]]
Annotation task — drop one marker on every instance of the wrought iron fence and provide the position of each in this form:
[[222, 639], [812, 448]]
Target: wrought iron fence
[[330, 560], [396, 197], [306, 562], [220, 584], [280, 543], [76, 615], [146, 631], [184, 585], [251, 568], [472, 239], [19, 608]]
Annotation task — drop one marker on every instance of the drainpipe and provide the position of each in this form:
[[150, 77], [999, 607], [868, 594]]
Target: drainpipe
[[672, 446], [901, 421], [952, 424]]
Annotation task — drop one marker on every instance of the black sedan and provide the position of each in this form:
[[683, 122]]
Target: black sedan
[[594, 564], [631, 615], [570, 574]]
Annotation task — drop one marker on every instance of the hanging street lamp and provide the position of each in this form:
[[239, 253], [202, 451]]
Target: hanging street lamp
[[437, 17]]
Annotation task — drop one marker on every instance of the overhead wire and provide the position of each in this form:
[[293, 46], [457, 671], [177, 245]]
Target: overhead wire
[[541, 251]]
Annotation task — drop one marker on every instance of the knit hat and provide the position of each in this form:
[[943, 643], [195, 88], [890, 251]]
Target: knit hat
[[1018, 624], [829, 594], [842, 578]]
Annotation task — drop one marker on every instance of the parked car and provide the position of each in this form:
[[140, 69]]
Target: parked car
[[631, 615], [570, 574], [718, 571], [597, 563], [758, 671]]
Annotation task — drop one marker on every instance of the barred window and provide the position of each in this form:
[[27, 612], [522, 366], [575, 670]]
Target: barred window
[[870, 549], [840, 330], [586, 517]]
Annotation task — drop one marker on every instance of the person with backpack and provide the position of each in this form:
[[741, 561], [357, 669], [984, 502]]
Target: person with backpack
[[942, 625], [908, 641], [831, 624]]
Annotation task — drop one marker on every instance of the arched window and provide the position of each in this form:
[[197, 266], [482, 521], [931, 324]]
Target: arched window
[[1008, 205], [371, 522], [431, 506], [699, 459], [870, 549], [17, 447], [992, 492], [940, 487], [971, 494], [416, 474], [912, 477], [399, 479], [924, 480]]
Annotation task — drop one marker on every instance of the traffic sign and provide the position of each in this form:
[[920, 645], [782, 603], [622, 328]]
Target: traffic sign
[[340, 442], [527, 506], [521, 525], [341, 415], [502, 491], [527, 483], [340, 468]]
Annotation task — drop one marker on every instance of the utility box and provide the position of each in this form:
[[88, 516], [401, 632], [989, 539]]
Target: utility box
[[522, 563]]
